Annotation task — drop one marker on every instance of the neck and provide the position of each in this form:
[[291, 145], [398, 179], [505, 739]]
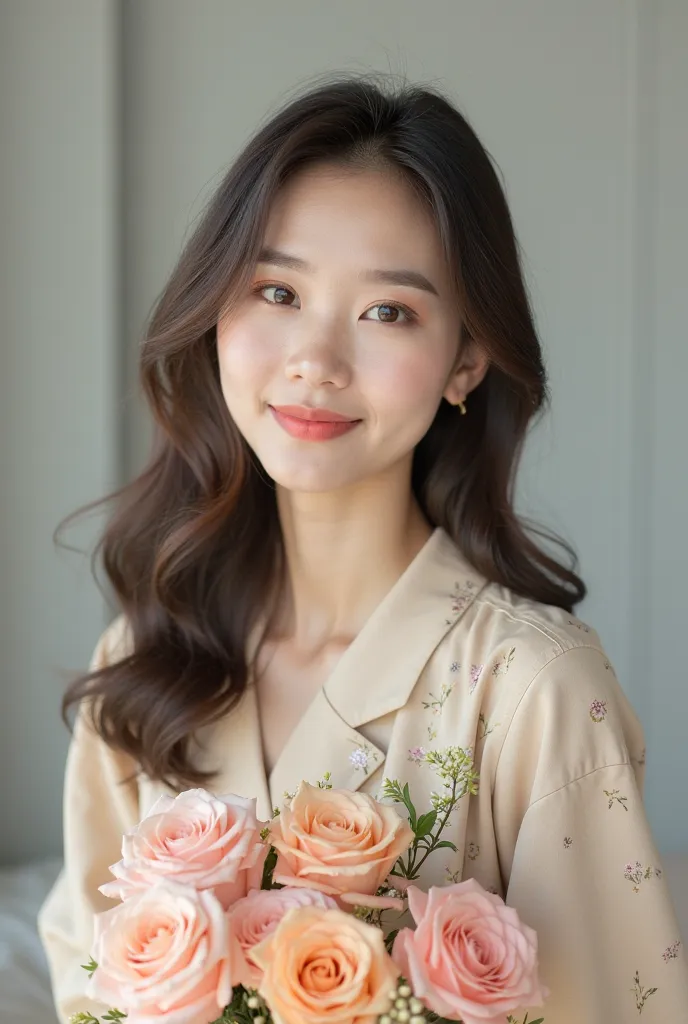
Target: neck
[[344, 552]]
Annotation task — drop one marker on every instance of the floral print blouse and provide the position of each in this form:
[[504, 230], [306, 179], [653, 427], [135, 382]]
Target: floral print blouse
[[448, 665]]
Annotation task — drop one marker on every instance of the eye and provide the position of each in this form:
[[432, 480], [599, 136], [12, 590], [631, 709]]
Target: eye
[[280, 297], [392, 313]]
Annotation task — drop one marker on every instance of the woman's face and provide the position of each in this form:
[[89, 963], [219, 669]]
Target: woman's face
[[350, 312]]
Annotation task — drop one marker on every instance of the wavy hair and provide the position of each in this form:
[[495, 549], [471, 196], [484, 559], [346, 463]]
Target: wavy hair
[[193, 547]]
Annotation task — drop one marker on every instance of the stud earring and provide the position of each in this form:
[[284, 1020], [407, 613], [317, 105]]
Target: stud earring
[[462, 408]]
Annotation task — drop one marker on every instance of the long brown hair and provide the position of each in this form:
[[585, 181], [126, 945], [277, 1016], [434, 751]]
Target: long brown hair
[[193, 549]]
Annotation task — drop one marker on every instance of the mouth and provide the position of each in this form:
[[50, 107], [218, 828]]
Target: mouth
[[304, 412], [309, 424]]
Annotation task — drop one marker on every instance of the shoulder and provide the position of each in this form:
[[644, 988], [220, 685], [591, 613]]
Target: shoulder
[[544, 675], [504, 634], [114, 643]]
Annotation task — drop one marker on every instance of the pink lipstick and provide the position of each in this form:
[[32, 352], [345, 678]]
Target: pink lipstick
[[308, 424]]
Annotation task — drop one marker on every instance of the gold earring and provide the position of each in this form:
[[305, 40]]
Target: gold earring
[[462, 408]]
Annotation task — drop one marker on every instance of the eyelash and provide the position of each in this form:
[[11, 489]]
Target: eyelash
[[411, 316]]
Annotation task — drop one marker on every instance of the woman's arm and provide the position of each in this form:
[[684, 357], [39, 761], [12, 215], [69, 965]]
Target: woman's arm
[[98, 808], [580, 861]]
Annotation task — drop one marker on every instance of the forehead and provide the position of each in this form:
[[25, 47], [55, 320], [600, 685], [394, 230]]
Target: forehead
[[370, 218]]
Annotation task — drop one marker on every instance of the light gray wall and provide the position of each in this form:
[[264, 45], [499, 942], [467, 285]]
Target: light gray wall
[[58, 368], [580, 104]]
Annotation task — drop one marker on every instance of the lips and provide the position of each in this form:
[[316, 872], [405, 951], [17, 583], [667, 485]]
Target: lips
[[303, 412], [307, 424]]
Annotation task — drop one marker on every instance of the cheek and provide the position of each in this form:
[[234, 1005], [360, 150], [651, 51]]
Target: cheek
[[245, 358], [409, 387]]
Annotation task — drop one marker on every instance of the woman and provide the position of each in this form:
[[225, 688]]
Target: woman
[[321, 569]]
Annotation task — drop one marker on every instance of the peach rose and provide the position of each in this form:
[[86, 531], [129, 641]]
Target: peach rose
[[342, 843], [325, 967], [470, 957], [162, 956], [255, 917], [195, 839]]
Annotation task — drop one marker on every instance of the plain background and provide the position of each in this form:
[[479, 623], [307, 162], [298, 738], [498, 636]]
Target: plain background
[[116, 121]]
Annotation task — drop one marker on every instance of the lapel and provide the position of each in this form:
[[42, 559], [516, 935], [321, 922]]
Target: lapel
[[378, 672]]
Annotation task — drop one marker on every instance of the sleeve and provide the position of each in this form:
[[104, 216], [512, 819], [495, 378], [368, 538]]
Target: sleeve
[[584, 869], [98, 808]]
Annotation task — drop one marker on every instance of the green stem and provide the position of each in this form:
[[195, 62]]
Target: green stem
[[435, 839]]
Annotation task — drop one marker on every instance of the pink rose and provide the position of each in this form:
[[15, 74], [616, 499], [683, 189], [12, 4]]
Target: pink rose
[[255, 917], [325, 967], [195, 839], [470, 958], [342, 843], [162, 956]]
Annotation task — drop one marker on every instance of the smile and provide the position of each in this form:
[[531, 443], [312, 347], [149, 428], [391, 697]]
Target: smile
[[312, 424]]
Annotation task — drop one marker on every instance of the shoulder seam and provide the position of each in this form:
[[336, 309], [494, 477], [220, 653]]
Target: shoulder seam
[[553, 635], [579, 778]]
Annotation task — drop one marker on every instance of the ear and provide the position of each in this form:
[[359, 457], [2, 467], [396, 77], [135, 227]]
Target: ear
[[469, 370]]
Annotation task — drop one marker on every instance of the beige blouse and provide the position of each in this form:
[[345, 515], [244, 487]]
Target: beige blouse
[[557, 826]]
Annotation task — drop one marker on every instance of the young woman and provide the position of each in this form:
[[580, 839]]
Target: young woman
[[321, 568]]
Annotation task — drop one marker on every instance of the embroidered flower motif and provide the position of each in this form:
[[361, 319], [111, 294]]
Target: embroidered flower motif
[[484, 728], [568, 842], [453, 877], [462, 596], [359, 759], [641, 994], [473, 851], [416, 754], [671, 952], [437, 703], [454, 667], [637, 874], [579, 625], [503, 664], [598, 710], [362, 757], [613, 796], [476, 671]]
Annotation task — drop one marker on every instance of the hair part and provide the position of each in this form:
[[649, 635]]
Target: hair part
[[193, 549]]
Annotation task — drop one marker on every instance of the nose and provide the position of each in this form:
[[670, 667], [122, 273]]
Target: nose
[[318, 363]]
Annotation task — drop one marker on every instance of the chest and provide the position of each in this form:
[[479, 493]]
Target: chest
[[287, 683]]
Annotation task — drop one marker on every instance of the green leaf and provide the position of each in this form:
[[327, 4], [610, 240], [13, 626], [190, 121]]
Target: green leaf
[[113, 1014], [445, 844], [268, 868], [426, 824], [90, 966], [409, 806]]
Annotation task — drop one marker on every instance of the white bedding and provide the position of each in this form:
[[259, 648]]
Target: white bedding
[[24, 985]]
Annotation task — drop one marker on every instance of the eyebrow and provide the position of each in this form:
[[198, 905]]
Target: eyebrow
[[408, 278]]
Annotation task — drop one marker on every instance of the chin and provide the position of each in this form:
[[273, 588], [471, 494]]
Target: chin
[[311, 479]]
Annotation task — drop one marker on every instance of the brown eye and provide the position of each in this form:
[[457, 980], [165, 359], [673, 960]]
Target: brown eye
[[390, 314], [281, 294]]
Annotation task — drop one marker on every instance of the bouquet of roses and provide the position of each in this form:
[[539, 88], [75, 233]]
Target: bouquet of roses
[[229, 920]]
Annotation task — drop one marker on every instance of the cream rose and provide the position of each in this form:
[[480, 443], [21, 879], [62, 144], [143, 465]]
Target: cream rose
[[325, 967], [255, 917], [162, 956], [470, 958], [195, 839], [342, 843]]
